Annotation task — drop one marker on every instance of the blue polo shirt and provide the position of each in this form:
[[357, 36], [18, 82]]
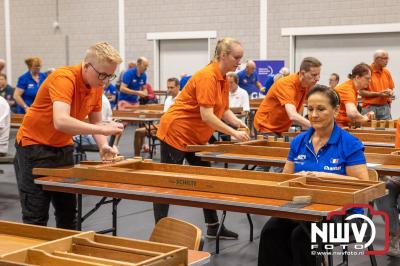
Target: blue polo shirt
[[183, 81], [133, 82], [248, 83], [341, 150], [30, 87], [111, 89], [268, 83]]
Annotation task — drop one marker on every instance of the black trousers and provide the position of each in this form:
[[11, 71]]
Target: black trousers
[[35, 202], [173, 156], [284, 242]]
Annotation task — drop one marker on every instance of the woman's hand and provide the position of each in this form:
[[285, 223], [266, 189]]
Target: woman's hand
[[108, 153], [241, 135]]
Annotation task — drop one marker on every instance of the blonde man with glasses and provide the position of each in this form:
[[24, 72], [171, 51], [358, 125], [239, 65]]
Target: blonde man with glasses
[[44, 139]]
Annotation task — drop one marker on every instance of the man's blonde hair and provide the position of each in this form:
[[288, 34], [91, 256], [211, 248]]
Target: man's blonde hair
[[102, 52]]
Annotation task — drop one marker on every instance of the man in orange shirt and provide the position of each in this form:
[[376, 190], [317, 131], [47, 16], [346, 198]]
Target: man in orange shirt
[[196, 114], [378, 96], [44, 139], [285, 98]]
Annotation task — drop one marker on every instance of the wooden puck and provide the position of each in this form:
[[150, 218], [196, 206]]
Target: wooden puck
[[302, 199]]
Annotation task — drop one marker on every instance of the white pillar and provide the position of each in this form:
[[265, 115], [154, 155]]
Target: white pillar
[[263, 28], [7, 37], [121, 32]]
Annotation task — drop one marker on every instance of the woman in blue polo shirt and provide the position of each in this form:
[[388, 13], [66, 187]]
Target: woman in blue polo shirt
[[28, 84], [325, 148]]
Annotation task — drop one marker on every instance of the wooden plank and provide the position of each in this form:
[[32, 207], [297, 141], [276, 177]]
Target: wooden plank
[[385, 138], [10, 243], [90, 259], [135, 243], [42, 258], [166, 175], [84, 242], [142, 114], [159, 107], [33, 231]]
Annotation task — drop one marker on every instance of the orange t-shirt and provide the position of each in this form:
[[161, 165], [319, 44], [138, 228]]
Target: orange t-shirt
[[347, 94], [380, 81], [64, 85], [271, 115], [182, 125]]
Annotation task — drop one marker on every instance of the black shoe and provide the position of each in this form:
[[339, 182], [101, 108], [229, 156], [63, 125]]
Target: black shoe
[[225, 233]]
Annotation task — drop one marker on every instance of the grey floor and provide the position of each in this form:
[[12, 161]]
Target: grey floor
[[135, 218]]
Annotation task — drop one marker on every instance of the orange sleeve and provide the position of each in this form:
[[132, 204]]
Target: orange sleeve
[[346, 96], [206, 90], [61, 89], [285, 93]]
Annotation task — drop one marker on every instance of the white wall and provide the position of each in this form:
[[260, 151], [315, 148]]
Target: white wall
[[181, 56]]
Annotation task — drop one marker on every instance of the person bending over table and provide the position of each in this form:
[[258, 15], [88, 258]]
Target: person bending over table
[[324, 150], [348, 92], [44, 139], [281, 107], [196, 114]]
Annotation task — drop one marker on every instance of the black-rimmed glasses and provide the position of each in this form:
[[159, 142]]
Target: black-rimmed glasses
[[102, 75]]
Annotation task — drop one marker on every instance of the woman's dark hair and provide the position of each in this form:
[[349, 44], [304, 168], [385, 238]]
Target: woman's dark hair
[[359, 70], [332, 95]]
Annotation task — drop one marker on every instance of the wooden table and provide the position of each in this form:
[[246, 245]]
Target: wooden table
[[146, 117], [384, 164], [16, 120], [221, 189], [40, 245], [368, 139]]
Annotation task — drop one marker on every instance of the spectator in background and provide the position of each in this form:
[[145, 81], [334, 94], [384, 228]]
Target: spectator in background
[[133, 85], [28, 84], [50, 70], [121, 74], [283, 72], [7, 92], [140, 133], [151, 97], [173, 88], [4, 126], [333, 80], [110, 91], [377, 97], [238, 97], [184, 79], [248, 80], [2, 64], [348, 91], [281, 107]]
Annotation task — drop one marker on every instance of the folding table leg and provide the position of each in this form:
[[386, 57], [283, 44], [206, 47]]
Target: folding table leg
[[219, 231], [79, 217]]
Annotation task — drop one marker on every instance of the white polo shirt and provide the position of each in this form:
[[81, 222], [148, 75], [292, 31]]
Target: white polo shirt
[[239, 98], [168, 102]]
